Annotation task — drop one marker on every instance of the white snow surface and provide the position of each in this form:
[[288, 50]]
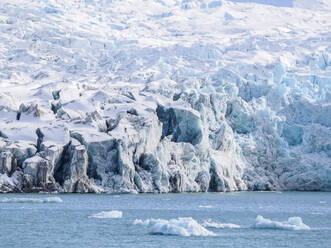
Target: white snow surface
[[31, 200], [293, 223], [214, 224], [164, 96], [114, 214], [181, 227]]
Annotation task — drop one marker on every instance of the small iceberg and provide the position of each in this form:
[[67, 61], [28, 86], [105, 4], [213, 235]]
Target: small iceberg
[[181, 227], [108, 215], [205, 206], [213, 224], [31, 200], [293, 223]]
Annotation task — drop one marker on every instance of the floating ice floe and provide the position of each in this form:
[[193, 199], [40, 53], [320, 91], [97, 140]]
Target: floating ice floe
[[108, 215], [205, 206], [31, 200], [293, 223], [214, 224], [180, 227]]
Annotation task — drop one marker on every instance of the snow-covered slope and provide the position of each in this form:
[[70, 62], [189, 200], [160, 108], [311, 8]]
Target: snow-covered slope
[[322, 5], [164, 96]]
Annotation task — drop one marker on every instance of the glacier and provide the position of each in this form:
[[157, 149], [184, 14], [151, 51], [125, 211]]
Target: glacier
[[138, 96]]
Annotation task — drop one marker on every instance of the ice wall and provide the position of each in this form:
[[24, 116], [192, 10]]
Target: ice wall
[[163, 96]]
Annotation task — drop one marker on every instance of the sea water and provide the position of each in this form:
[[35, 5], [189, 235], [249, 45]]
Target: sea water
[[248, 219]]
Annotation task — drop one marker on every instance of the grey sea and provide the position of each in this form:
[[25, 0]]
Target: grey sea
[[100, 221]]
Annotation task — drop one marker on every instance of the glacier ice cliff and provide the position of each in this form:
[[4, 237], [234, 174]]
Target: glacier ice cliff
[[164, 96]]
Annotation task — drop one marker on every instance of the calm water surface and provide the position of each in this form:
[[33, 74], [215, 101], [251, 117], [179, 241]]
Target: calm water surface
[[66, 224]]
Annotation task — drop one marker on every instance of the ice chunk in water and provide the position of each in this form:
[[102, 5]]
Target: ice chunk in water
[[180, 227], [293, 223], [214, 224], [108, 215]]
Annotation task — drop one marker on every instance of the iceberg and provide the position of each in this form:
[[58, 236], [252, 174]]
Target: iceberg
[[205, 206], [214, 224], [180, 227], [293, 224], [114, 214]]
